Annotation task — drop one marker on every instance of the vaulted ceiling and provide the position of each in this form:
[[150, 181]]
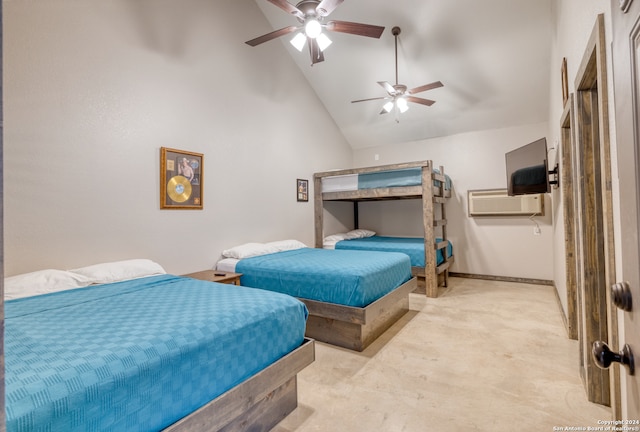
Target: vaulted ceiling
[[491, 55]]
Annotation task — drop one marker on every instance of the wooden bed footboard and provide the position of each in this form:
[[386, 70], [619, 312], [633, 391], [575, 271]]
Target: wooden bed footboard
[[356, 328], [257, 404]]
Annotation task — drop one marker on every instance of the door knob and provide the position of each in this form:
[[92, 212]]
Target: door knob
[[603, 356], [621, 296]]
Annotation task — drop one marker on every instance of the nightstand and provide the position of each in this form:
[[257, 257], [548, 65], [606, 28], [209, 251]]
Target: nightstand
[[216, 276]]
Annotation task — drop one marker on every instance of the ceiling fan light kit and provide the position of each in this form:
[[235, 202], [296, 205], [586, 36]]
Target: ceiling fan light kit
[[311, 14], [402, 104], [398, 96], [323, 41], [298, 41], [312, 28]]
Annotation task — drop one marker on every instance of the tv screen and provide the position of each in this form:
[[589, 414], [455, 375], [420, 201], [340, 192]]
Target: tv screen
[[527, 171]]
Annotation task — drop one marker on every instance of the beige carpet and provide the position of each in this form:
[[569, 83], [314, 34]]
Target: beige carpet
[[483, 356]]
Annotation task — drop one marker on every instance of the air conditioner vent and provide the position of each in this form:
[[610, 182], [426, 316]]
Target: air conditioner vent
[[496, 202]]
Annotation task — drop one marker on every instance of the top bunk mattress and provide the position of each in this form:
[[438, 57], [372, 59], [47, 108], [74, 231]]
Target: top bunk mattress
[[411, 246], [379, 179], [140, 354], [350, 278]]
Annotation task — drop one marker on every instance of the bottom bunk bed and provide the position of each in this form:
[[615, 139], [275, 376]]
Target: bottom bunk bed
[[361, 239], [352, 296], [158, 352]]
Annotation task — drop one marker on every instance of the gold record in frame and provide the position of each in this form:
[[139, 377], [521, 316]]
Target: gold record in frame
[[179, 189], [181, 179]]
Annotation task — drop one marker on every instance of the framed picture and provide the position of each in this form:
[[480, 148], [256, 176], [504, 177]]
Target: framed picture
[[565, 82], [302, 189], [181, 179], [624, 5]]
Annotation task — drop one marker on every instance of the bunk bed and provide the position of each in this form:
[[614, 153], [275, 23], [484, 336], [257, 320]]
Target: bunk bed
[[412, 180], [352, 297], [150, 352]]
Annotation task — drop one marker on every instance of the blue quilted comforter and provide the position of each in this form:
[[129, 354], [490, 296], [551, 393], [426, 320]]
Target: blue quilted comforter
[[350, 278], [413, 247], [138, 355]]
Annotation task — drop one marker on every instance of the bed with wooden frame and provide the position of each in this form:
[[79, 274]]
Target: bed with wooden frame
[[257, 404], [48, 363], [352, 326], [431, 187]]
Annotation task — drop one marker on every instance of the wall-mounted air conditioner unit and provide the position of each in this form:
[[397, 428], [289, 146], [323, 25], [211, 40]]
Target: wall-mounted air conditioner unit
[[496, 202]]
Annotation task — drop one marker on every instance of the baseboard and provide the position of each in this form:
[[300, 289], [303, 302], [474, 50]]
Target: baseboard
[[503, 278], [565, 321]]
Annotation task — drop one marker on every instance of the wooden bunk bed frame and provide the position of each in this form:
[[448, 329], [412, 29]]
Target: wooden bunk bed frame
[[258, 403], [430, 195]]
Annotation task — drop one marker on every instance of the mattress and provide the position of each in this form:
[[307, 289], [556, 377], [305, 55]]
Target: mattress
[[340, 183], [138, 355], [350, 278], [411, 246], [379, 179]]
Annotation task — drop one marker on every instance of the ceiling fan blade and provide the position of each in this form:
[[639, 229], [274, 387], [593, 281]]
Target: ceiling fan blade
[[288, 7], [314, 51], [370, 99], [388, 87], [269, 36], [327, 6], [355, 28], [427, 102], [426, 87]]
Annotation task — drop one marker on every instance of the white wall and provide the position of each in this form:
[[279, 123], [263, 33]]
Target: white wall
[[500, 246], [93, 89]]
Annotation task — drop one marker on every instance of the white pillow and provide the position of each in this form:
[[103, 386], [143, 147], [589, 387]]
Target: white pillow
[[120, 270], [42, 282], [336, 237], [361, 233], [330, 241], [285, 245], [247, 250]]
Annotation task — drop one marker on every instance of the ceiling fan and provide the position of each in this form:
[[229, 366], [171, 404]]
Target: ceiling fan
[[398, 95], [311, 14]]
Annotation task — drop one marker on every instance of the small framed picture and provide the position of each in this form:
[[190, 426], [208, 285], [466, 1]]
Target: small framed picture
[[181, 179], [302, 189], [624, 5], [565, 82]]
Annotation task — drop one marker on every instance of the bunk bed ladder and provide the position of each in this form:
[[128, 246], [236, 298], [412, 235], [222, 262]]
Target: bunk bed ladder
[[431, 200], [429, 223], [445, 242]]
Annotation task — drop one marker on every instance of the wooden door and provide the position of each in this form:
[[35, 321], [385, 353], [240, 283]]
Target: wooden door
[[597, 319], [626, 61]]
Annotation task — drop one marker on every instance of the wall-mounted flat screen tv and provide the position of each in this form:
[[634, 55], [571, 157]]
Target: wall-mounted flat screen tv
[[527, 169]]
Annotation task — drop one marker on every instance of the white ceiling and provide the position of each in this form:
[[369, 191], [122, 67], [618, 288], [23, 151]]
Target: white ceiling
[[491, 55]]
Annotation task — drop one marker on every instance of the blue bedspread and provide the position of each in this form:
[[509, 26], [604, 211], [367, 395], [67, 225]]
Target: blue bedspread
[[396, 178], [138, 355], [350, 278], [414, 247]]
